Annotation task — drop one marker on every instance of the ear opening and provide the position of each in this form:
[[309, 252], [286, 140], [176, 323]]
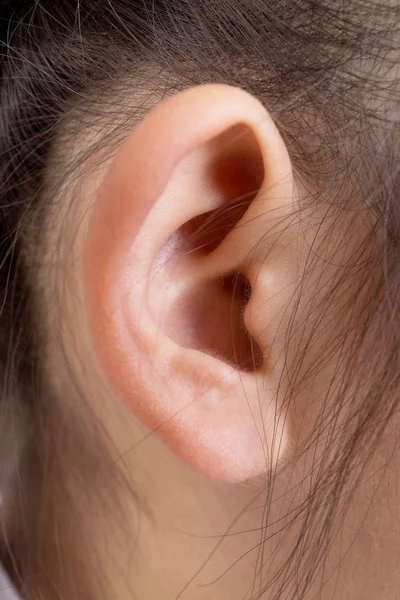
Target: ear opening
[[210, 318]]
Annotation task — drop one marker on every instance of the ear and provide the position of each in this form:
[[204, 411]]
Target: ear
[[185, 279]]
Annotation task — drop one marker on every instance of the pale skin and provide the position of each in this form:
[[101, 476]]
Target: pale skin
[[197, 436]]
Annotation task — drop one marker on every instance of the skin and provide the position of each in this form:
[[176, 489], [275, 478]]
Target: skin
[[193, 527]]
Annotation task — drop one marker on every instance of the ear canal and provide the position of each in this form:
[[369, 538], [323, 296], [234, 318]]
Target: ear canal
[[207, 314], [209, 318]]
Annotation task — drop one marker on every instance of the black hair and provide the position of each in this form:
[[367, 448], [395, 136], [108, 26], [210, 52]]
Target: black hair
[[326, 71]]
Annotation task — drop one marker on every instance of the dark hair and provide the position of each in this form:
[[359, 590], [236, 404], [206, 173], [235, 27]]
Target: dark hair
[[326, 71]]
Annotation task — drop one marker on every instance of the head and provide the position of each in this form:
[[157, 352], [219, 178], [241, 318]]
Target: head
[[199, 278]]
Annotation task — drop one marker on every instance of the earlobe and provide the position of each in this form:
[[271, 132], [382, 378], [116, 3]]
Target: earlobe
[[175, 279]]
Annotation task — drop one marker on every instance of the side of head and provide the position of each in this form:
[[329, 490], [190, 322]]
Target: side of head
[[199, 268]]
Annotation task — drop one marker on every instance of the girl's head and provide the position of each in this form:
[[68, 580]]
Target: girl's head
[[199, 298]]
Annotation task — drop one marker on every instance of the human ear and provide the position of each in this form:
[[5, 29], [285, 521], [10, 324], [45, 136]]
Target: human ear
[[185, 279]]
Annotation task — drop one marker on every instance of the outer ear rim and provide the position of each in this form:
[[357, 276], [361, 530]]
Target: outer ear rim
[[141, 146], [104, 310]]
